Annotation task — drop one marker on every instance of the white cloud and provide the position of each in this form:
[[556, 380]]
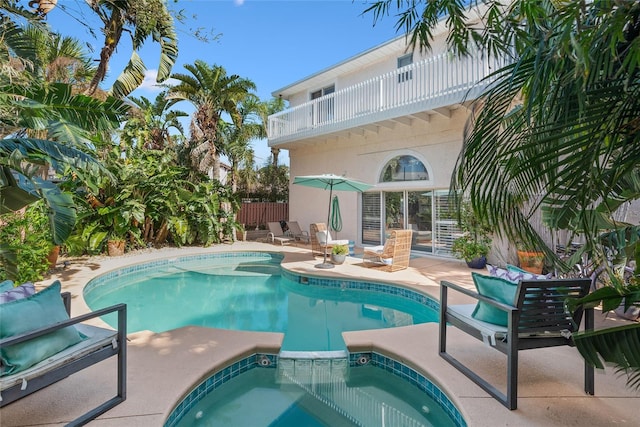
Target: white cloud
[[238, 2], [149, 83]]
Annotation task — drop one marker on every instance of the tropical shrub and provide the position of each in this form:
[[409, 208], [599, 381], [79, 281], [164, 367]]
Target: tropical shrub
[[152, 202], [25, 243]]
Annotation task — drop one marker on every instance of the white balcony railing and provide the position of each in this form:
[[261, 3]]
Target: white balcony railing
[[432, 83]]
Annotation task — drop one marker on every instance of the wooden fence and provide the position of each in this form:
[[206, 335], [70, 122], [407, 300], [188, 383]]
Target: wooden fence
[[254, 215]]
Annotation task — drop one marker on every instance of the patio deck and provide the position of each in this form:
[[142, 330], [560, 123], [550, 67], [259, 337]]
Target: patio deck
[[163, 367]]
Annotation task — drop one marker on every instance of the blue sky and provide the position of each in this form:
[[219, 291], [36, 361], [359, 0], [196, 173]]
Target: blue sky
[[272, 43]]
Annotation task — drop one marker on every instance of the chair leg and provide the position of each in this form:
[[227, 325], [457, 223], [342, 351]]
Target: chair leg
[[512, 378], [589, 380]]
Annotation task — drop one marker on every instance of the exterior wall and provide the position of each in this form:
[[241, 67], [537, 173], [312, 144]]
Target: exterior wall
[[437, 143], [432, 136]]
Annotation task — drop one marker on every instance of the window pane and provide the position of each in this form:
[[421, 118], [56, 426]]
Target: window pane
[[371, 218], [404, 168]]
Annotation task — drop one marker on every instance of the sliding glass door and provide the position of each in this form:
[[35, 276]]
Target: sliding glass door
[[427, 213]]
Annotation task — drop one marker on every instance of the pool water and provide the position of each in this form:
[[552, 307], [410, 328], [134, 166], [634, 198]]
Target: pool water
[[251, 294], [316, 393]]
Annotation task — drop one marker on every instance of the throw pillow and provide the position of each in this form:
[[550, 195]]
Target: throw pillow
[[39, 310], [496, 288], [515, 274], [23, 291], [322, 237]]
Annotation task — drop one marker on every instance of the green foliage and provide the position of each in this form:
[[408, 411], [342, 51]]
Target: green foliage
[[25, 242], [153, 202], [340, 250], [469, 248], [214, 94], [475, 241]]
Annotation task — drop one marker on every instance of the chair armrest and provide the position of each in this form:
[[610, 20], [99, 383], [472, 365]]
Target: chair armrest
[[120, 308], [504, 307]]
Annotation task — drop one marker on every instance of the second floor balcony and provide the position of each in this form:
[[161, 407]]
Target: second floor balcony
[[427, 87]]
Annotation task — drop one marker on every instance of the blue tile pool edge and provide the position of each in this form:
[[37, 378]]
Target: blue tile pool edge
[[141, 267], [276, 257], [270, 361]]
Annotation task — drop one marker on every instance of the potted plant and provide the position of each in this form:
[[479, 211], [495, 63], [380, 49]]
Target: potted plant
[[474, 244], [473, 249], [339, 254], [531, 260]]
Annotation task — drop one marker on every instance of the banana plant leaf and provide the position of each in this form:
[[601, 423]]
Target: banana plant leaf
[[18, 191], [14, 193], [619, 346]]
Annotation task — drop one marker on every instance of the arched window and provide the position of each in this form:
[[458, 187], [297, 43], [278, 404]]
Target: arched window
[[404, 168]]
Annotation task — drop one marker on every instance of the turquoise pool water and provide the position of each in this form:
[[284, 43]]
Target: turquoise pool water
[[315, 393], [251, 292]]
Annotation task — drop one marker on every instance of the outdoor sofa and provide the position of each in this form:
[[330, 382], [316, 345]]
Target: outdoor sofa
[[35, 333]]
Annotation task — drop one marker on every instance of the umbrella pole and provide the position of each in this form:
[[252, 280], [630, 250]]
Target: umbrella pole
[[326, 264]]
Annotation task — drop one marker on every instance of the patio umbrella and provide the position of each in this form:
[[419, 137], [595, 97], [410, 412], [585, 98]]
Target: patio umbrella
[[336, 218], [331, 183]]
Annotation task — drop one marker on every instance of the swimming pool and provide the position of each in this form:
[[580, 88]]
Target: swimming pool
[[250, 291]]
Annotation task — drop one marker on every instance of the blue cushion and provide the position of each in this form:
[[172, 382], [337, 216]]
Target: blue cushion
[[42, 309], [6, 285], [516, 269], [499, 289]]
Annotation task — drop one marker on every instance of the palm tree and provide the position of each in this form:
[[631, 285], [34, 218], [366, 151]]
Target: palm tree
[[237, 137], [557, 132], [57, 58], [142, 19], [268, 108], [214, 94], [150, 123]]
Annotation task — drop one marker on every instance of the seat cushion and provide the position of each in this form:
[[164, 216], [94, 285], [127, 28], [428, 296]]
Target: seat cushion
[[496, 288], [21, 316]]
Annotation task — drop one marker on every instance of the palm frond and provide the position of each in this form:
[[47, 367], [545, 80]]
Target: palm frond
[[130, 78], [619, 346]]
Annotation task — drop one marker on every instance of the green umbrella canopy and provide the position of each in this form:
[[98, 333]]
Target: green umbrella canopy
[[331, 183]]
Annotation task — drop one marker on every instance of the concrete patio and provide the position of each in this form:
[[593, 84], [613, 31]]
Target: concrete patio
[[163, 367]]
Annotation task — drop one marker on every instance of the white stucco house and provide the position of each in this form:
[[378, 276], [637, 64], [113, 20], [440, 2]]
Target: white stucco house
[[390, 117]]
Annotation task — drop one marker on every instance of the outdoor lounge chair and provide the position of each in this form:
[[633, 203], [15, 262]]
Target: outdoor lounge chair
[[538, 319], [277, 235], [393, 256], [98, 345], [318, 233], [297, 233]]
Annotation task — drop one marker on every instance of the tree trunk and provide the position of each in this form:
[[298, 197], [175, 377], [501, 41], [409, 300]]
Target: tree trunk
[[113, 32]]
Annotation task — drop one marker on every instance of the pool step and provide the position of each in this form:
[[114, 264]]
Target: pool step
[[326, 380]]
